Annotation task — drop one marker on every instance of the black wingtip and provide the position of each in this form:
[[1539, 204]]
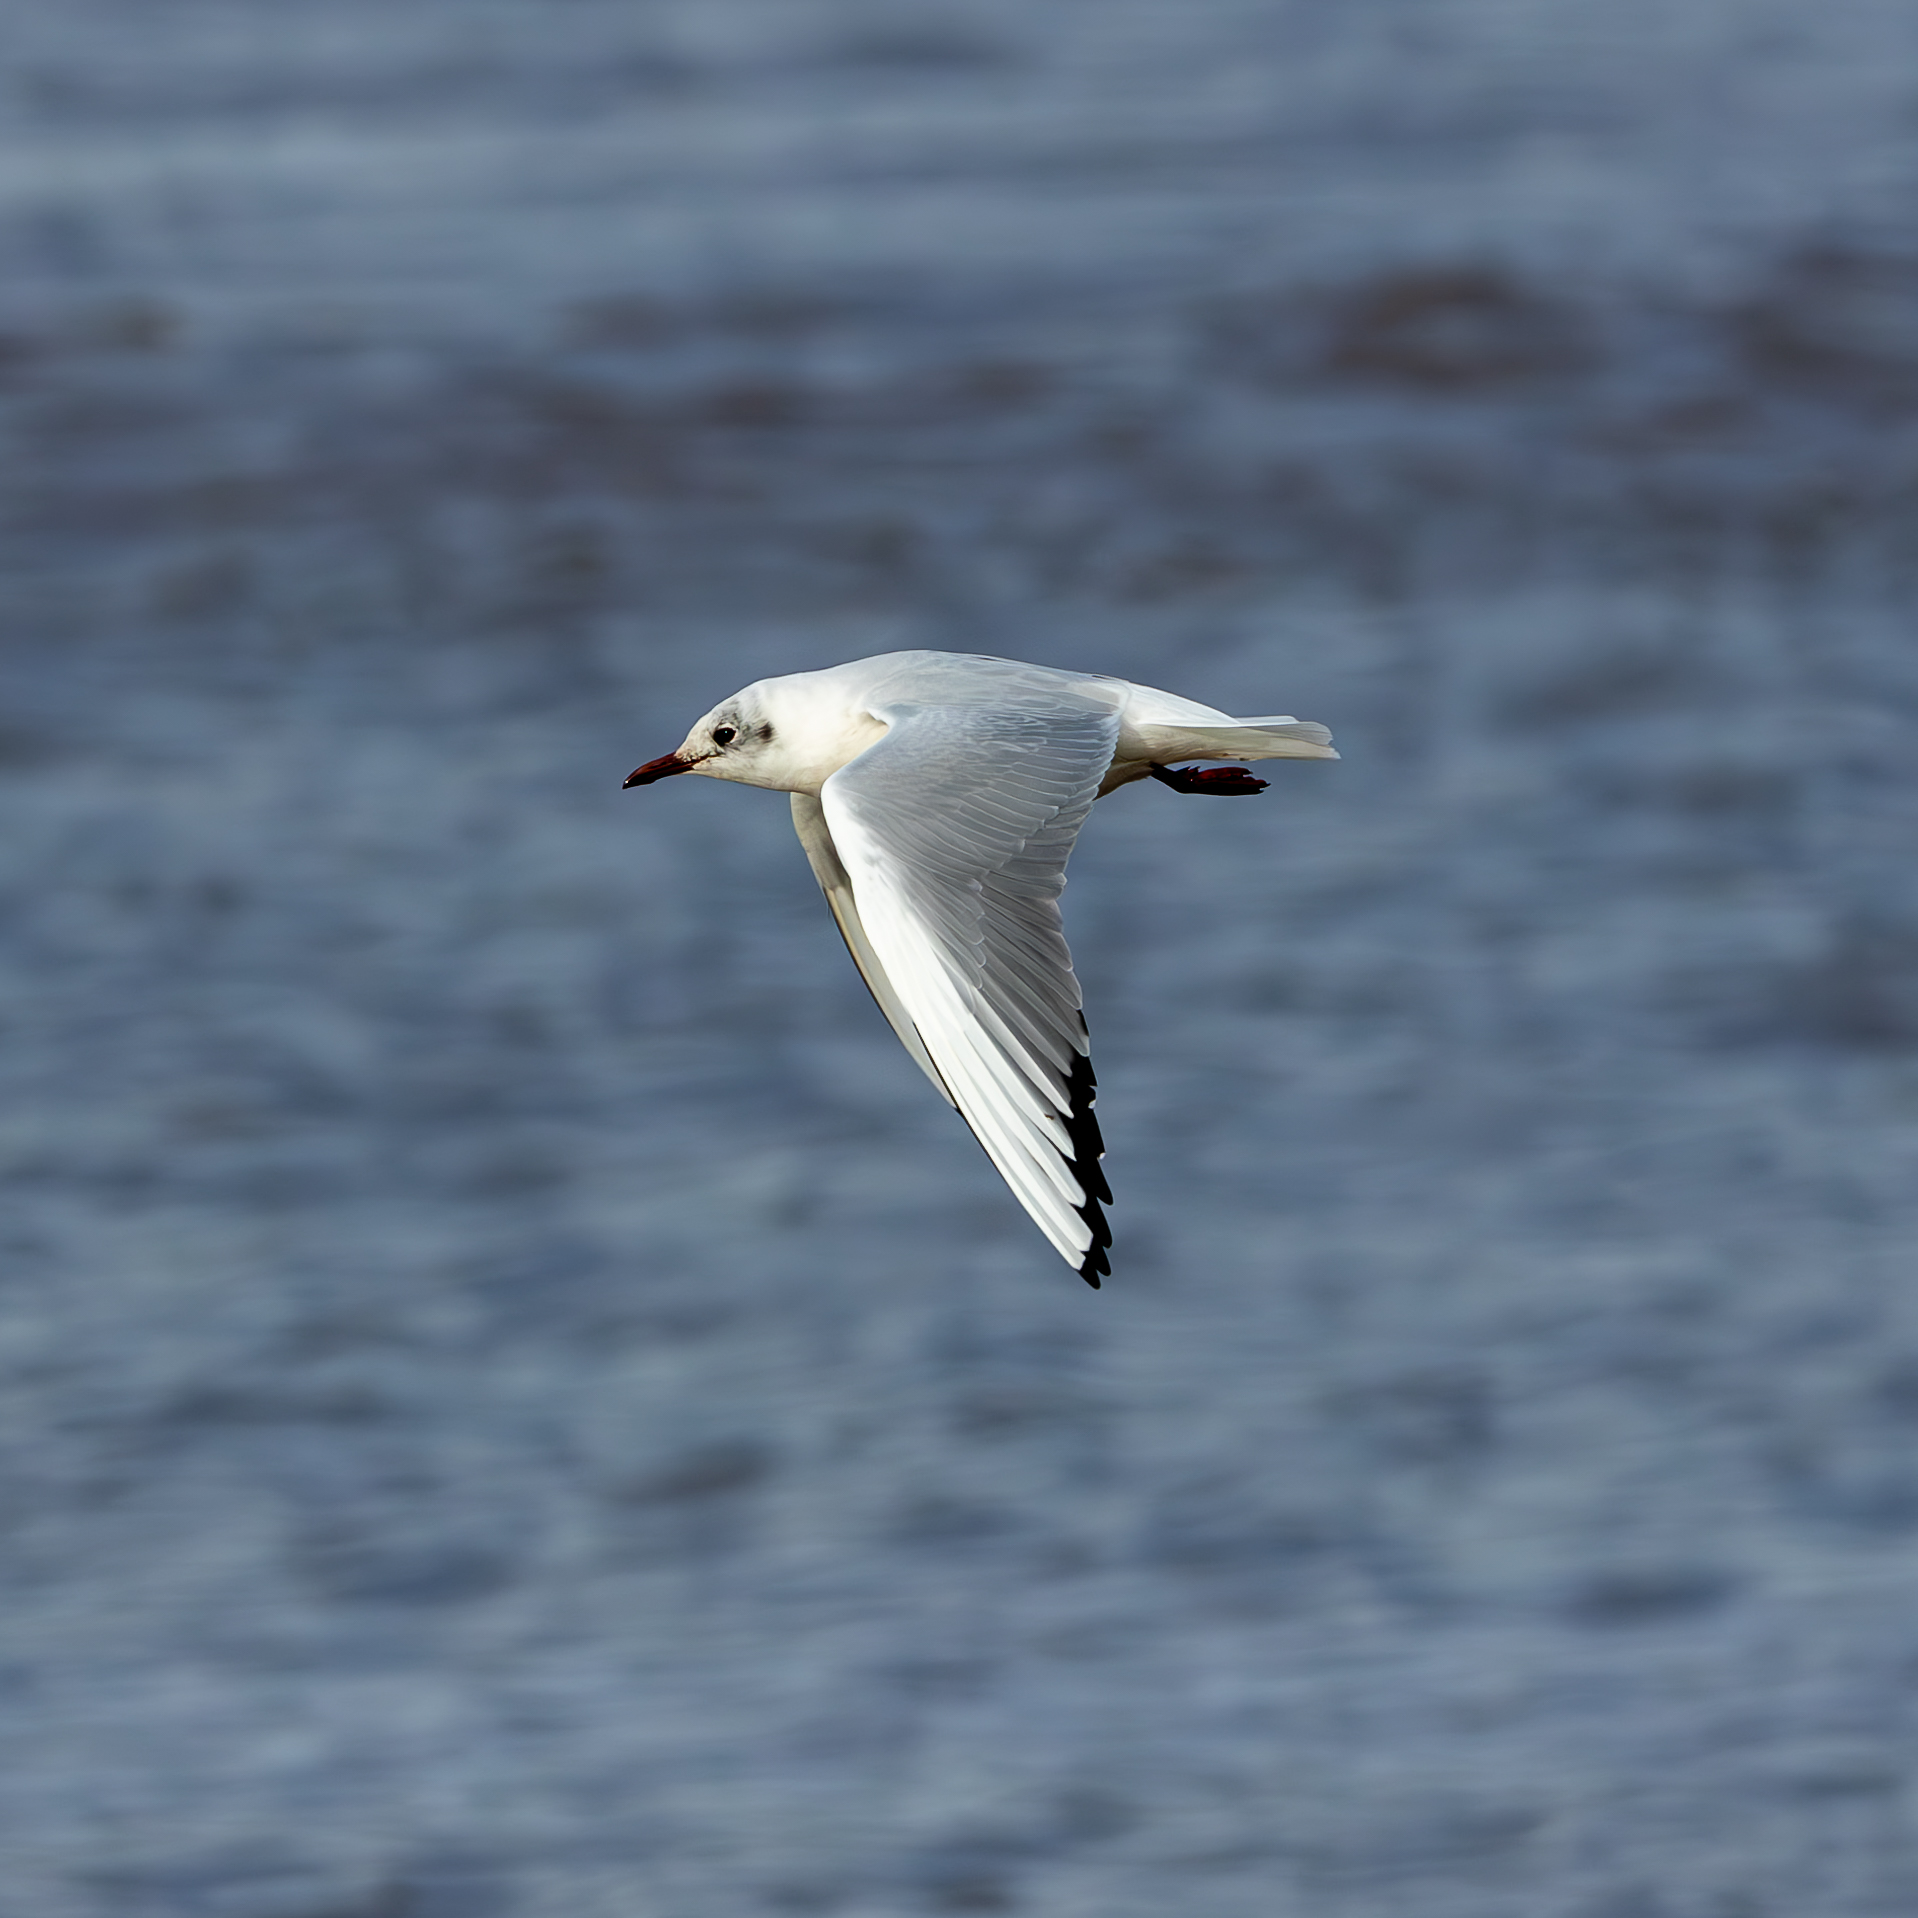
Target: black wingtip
[[1088, 1148]]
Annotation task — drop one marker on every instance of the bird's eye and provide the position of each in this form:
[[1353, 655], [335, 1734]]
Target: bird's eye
[[724, 735]]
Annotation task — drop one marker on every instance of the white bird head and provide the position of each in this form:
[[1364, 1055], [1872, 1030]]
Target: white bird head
[[789, 734], [733, 741]]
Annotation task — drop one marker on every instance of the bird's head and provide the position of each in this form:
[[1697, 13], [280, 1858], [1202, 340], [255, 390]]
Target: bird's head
[[737, 740], [790, 734]]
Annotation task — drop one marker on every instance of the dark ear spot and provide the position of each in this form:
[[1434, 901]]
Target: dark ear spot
[[765, 733]]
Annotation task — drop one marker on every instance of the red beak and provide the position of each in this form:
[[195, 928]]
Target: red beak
[[656, 769]]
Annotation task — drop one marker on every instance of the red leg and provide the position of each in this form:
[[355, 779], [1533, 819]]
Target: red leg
[[1208, 779]]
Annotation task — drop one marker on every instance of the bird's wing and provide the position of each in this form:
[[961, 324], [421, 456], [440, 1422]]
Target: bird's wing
[[809, 821], [953, 831]]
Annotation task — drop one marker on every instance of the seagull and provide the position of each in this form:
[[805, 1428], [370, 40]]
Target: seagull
[[937, 796]]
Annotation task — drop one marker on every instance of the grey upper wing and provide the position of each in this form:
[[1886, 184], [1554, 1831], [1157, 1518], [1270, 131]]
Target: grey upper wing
[[953, 832]]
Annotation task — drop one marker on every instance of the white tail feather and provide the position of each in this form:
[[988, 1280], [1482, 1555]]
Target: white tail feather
[[1247, 739]]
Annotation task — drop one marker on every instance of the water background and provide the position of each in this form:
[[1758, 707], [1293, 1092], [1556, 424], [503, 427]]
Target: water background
[[518, 1403]]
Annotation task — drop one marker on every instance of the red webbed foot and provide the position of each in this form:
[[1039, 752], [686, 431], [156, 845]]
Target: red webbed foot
[[1208, 779]]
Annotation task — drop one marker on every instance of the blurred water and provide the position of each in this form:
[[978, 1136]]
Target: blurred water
[[519, 1402]]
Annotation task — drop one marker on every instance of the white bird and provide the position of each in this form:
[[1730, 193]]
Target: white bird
[[937, 796]]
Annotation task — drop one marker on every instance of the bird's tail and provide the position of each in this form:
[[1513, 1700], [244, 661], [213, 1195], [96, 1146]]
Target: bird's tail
[[1279, 736]]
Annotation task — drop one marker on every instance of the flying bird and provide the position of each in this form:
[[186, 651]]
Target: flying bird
[[937, 796]]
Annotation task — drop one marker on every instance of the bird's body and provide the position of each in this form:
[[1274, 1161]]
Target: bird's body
[[937, 796]]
